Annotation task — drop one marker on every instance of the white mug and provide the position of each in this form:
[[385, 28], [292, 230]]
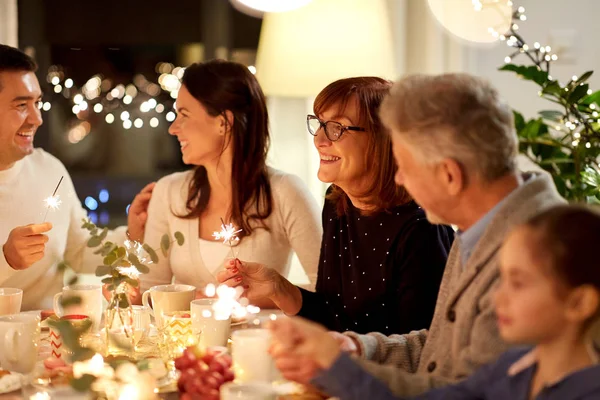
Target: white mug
[[251, 359], [10, 300], [90, 306], [168, 299], [213, 331], [247, 391], [19, 341]]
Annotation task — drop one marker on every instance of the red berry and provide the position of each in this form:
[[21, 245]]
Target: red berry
[[207, 358], [228, 376], [186, 396]]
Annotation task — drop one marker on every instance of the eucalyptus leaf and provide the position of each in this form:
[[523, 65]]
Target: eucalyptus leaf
[[151, 253], [132, 282], [84, 383], [121, 252], [179, 238], [133, 259], [107, 280], [143, 269], [82, 354], [110, 258], [94, 241], [103, 234], [102, 270], [73, 280], [62, 266], [165, 243]]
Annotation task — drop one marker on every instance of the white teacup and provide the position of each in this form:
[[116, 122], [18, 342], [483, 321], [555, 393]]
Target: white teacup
[[213, 331], [247, 391], [10, 300], [251, 359], [168, 299], [90, 306], [19, 341]]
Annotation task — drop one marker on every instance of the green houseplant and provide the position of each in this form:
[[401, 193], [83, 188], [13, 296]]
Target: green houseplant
[[564, 140]]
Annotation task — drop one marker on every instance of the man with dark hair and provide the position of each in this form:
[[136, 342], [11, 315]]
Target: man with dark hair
[[31, 250]]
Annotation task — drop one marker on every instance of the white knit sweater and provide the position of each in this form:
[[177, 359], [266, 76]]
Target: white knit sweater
[[23, 188]]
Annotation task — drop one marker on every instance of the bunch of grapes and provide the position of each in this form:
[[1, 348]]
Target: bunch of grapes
[[202, 374]]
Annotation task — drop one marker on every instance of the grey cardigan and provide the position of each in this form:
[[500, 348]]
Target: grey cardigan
[[463, 335]]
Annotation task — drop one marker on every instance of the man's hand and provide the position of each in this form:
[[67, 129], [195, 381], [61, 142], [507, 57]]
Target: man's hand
[[26, 245], [138, 213]]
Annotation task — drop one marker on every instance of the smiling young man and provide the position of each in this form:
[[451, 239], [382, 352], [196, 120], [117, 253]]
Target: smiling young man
[[31, 248]]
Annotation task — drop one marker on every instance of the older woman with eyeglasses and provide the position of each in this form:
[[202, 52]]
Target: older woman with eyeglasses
[[381, 261]]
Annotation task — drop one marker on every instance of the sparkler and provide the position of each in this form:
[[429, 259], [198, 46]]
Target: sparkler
[[229, 303], [53, 202], [228, 234]]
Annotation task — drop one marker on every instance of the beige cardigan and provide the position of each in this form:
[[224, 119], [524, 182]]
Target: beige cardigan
[[295, 226], [463, 334]]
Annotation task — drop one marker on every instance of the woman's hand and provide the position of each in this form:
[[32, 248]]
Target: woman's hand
[[258, 281]]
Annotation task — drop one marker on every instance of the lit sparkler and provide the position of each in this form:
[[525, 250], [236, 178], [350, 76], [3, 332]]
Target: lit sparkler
[[229, 302], [53, 202], [228, 235], [136, 248]]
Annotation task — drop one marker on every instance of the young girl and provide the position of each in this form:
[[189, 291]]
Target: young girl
[[549, 297]]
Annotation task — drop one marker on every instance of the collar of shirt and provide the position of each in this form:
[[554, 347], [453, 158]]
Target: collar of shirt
[[470, 237], [577, 383]]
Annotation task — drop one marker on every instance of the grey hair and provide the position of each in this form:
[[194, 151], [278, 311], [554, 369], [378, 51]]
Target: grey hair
[[456, 116]]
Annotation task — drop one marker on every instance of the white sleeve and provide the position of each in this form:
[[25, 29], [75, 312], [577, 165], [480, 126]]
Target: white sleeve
[[157, 225], [302, 223]]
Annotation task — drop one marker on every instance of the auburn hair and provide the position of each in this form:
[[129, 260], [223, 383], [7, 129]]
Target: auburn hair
[[367, 93]]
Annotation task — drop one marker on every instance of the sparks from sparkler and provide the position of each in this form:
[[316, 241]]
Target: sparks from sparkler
[[136, 248], [229, 303], [53, 202], [228, 234]]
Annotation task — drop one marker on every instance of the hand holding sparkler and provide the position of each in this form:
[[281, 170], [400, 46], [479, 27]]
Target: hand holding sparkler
[[26, 245]]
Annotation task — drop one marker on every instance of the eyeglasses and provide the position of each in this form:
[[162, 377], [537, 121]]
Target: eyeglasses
[[333, 130]]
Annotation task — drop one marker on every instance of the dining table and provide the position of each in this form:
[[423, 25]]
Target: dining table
[[287, 390]]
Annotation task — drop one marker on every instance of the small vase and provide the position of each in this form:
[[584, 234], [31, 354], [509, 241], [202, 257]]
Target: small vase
[[119, 325]]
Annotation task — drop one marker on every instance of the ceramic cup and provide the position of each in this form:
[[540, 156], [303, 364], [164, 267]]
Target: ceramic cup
[[168, 299], [10, 301], [91, 302], [213, 331], [19, 341]]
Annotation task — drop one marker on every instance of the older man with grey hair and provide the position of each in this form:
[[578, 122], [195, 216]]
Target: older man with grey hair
[[455, 146]]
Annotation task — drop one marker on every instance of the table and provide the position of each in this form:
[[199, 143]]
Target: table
[[259, 318]]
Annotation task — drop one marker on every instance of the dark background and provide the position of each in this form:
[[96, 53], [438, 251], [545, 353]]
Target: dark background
[[119, 39]]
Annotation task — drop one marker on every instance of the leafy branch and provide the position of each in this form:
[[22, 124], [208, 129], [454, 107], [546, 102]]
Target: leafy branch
[[563, 141]]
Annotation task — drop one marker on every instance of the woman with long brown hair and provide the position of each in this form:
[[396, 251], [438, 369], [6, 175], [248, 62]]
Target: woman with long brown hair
[[381, 261], [222, 127]]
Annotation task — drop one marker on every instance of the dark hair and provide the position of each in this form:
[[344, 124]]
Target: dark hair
[[12, 59], [368, 92], [570, 236], [222, 86]]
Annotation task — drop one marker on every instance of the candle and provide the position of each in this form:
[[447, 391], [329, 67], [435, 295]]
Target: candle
[[40, 396], [251, 359]]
